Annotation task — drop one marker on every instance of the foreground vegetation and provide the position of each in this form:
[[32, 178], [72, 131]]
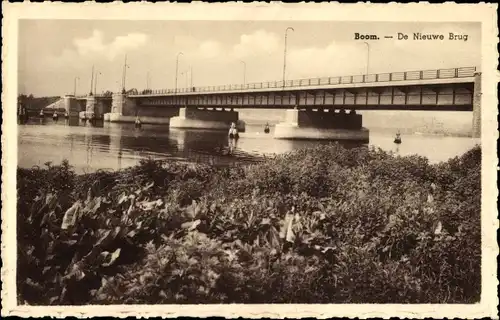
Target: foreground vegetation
[[314, 226]]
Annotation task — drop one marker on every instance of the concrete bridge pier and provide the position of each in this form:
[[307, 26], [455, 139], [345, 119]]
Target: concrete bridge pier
[[194, 118], [322, 125], [73, 106], [90, 108], [122, 109], [476, 106], [95, 107]]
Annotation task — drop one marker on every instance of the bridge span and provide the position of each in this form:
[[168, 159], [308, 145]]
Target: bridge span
[[315, 107]]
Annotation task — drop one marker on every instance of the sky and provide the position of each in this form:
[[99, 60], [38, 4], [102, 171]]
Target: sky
[[52, 53]]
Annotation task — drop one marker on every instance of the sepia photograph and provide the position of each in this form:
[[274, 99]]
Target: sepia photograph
[[209, 160]]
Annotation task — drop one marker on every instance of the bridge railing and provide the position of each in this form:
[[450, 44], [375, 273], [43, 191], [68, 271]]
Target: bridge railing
[[366, 78], [95, 95]]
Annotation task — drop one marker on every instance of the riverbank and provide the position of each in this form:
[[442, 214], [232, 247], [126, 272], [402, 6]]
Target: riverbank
[[322, 225]]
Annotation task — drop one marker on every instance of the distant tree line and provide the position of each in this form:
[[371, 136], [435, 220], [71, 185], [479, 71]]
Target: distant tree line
[[36, 103]]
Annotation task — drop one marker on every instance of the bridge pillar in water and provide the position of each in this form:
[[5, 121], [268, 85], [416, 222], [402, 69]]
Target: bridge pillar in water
[[72, 106], [476, 107], [194, 118], [322, 125], [122, 109], [90, 107]]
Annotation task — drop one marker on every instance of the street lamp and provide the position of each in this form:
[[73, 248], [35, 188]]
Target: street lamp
[[185, 73], [125, 66], [177, 69], [92, 80], [244, 72], [95, 83], [284, 58], [74, 86], [367, 57], [191, 75]]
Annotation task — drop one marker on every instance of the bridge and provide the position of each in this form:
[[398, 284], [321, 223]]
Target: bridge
[[315, 107]]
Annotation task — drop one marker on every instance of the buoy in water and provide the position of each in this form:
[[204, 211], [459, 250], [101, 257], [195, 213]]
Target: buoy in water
[[397, 140], [233, 132]]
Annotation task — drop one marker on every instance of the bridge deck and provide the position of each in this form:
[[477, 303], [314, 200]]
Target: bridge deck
[[445, 89], [408, 78]]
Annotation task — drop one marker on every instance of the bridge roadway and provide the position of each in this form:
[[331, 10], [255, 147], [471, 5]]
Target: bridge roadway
[[312, 105], [445, 90]]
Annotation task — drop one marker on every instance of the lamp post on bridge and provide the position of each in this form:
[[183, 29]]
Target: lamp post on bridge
[[185, 73], [95, 83], [244, 72], [367, 57], [148, 81], [74, 86], [92, 80], [177, 70], [125, 66], [284, 58], [191, 76]]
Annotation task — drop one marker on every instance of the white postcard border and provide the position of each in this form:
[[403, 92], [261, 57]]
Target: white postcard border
[[485, 13]]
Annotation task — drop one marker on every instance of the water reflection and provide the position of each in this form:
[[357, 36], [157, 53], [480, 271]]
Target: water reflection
[[62, 121], [212, 146]]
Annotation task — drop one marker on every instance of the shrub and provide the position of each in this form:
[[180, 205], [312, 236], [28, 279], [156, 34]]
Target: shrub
[[323, 225]]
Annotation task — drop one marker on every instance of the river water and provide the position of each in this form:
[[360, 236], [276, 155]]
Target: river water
[[435, 135]]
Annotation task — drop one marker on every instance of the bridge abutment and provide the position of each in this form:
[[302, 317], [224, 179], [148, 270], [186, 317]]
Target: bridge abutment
[[476, 107], [321, 125], [193, 118]]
